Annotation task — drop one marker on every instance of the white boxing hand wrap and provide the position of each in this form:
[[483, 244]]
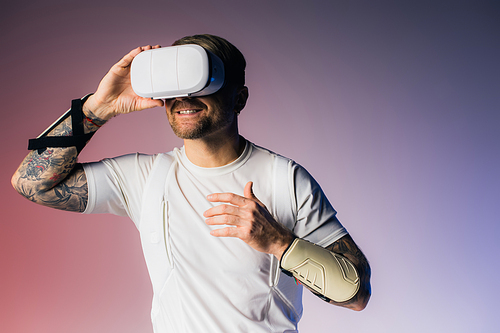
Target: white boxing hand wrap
[[328, 274]]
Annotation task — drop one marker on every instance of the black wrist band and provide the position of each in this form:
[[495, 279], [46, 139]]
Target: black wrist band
[[78, 139]]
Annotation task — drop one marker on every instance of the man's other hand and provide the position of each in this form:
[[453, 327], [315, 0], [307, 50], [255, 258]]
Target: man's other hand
[[248, 219]]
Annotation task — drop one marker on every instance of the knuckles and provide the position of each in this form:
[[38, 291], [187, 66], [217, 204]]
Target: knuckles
[[226, 219], [224, 209], [253, 205], [231, 197]]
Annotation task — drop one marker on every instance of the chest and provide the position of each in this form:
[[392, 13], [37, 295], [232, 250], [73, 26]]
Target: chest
[[187, 236]]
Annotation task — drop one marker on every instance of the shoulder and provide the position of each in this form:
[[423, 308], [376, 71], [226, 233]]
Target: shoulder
[[264, 152], [297, 173], [138, 164], [133, 160]]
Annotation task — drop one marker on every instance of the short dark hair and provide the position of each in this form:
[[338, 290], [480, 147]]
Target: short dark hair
[[233, 59]]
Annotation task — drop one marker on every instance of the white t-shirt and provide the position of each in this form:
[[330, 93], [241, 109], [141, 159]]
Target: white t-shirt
[[203, 283]]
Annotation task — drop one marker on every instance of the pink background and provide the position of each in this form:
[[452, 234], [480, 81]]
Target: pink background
[[393, 106]]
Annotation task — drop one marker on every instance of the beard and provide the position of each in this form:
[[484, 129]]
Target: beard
[[207, 124], [199, 130]]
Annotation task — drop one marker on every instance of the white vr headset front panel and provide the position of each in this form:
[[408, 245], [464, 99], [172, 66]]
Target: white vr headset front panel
[[176, 71]]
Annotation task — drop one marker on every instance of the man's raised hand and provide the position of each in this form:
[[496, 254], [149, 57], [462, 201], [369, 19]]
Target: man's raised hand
[[115, 95]]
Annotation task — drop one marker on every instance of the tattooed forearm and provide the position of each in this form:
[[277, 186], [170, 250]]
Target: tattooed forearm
[[54, 178], [346, 247], [64, 129]]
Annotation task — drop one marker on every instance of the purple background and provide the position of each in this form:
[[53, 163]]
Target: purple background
[[393, 106]]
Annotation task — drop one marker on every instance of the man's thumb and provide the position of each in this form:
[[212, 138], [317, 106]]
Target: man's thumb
[[248, 192]]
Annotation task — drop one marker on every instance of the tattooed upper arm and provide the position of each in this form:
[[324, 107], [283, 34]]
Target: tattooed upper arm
[[345, 246], [71, 194]]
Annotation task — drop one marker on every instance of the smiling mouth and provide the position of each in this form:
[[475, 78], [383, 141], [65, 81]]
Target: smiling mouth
[[187, 111]]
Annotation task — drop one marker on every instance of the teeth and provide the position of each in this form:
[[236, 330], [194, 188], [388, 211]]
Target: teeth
[[188, 112]]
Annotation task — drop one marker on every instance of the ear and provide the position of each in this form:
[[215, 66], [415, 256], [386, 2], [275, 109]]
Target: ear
[[241, 99]]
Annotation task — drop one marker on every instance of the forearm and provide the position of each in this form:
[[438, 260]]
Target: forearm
[[347, 248], [46, 176], [338, 274]]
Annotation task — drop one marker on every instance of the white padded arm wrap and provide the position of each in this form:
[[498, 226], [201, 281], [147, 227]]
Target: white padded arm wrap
[[325, 272]]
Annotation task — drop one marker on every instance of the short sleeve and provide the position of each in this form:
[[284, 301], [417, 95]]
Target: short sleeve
[[316, 218], [116, 185]]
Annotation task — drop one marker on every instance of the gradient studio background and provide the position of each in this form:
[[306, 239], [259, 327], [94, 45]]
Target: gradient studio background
[[393, 106]]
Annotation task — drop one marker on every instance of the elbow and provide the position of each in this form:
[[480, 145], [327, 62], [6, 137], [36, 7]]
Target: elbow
[[365, 291], [22, 187], [358, 302], [361, 304], [362, 298], [14, 181]]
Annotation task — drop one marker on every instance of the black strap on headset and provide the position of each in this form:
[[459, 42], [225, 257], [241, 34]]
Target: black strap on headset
[[79, 138]]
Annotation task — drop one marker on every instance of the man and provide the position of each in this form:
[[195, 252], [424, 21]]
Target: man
[[218, 259]]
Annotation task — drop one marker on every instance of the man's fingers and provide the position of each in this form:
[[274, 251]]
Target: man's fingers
[[248, 191], [127, 59], [225, 232], [221, 210], [234, 198], [227, 197], [147, 103], [223, 220]]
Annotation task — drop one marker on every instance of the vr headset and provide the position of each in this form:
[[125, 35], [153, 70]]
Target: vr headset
[[176, 71]]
